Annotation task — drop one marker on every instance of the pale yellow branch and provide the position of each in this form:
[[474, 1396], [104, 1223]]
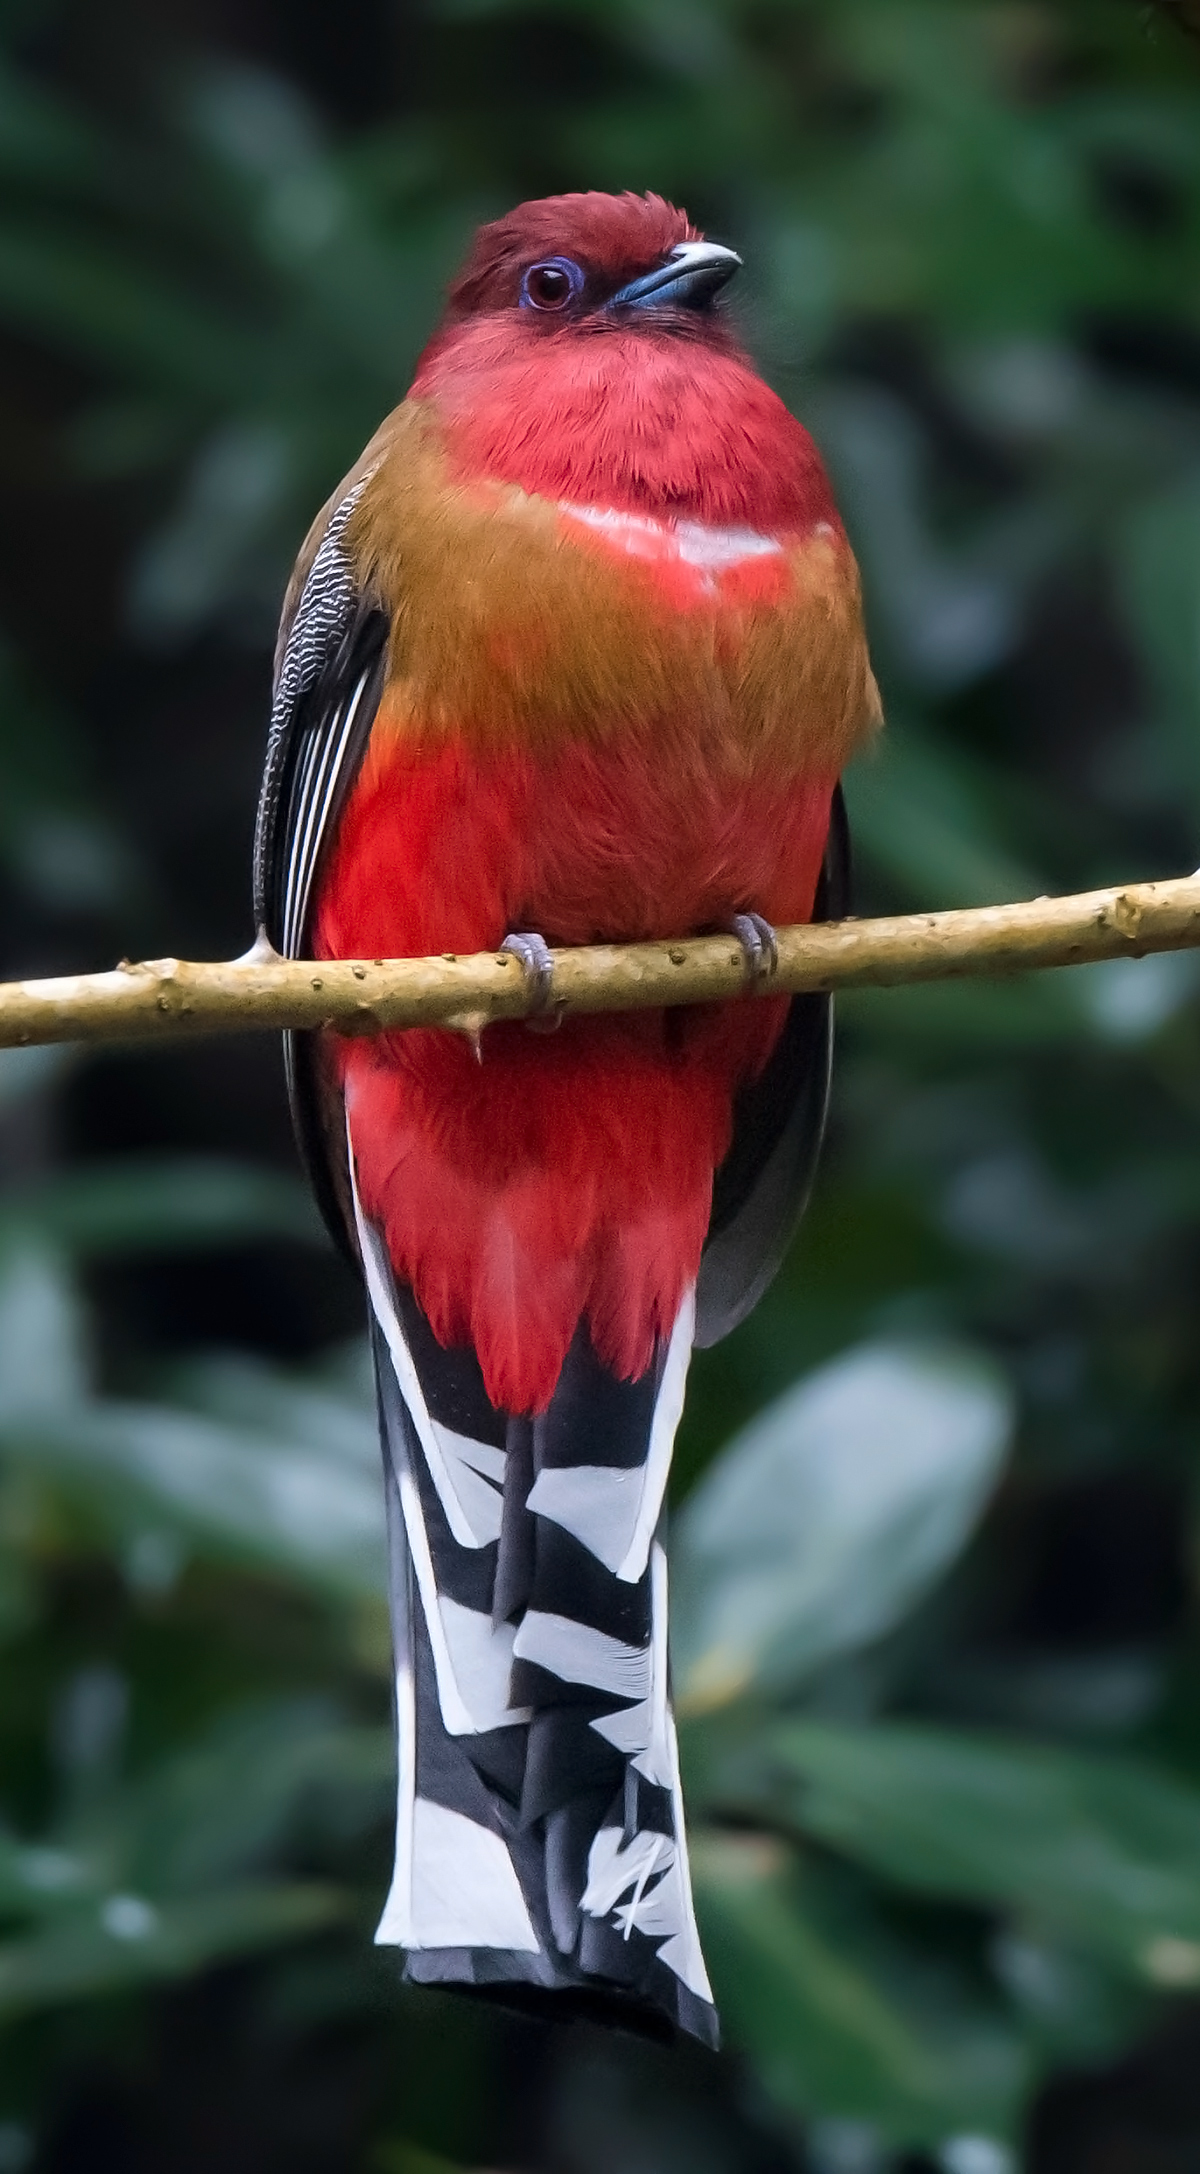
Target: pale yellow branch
[[169, 996]]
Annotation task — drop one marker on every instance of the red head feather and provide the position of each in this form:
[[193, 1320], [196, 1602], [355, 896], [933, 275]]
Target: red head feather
[[646, 411], [613, 237]]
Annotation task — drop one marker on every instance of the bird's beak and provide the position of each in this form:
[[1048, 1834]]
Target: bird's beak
[[692, 274]]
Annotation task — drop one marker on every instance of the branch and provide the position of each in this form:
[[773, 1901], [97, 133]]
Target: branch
[[164, 997]]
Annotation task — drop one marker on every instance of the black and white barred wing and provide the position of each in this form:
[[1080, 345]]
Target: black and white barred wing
[[329, 674], [539, 1834], [328, 679]]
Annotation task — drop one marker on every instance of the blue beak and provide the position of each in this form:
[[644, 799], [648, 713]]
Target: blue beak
[[692, 274]]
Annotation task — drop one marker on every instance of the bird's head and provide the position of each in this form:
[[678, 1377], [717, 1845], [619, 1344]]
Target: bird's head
[[584, 357], [593, 263]]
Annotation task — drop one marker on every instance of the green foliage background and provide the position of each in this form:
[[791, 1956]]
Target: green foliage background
[[936, 1561]]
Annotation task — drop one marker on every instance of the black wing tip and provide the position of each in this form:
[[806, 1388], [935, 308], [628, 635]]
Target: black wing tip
[[762, 1187]]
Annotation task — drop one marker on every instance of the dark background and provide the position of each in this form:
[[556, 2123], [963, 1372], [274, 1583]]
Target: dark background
[[937, 1651]]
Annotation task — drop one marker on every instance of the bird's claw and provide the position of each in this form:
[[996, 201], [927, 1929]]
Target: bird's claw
[[759, 948], [537, 965]]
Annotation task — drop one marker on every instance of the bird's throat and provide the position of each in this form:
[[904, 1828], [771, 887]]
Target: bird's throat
[[640, 422]]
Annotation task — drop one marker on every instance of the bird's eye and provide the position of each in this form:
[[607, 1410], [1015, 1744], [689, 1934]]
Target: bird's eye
[[551, 284]]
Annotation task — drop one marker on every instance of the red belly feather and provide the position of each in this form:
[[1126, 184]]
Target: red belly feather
[[565, 1175]]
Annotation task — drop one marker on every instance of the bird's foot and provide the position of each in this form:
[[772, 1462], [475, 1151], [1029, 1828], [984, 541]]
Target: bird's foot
[[538, 967], [759, 948]]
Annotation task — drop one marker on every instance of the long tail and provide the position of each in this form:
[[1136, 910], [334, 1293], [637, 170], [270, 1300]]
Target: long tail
[[539, 1831]]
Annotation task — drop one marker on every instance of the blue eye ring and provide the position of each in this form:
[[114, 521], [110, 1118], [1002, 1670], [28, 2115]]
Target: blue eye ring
[[551, 285]]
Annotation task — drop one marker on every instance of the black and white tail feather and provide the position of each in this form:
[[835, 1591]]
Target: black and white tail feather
[[540, 1843], [539, 1825]]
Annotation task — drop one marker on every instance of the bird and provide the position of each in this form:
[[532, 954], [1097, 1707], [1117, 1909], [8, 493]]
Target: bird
[[575, 653]]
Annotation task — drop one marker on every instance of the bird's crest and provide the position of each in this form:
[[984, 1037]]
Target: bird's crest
[[611, 236]]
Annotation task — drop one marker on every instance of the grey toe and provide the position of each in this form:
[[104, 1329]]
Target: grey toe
[[534, 953], [757, 939]]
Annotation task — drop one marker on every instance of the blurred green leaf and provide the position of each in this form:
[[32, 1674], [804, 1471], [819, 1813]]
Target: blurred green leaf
[[28, 1072], [147, 1202], [228, 1803], [1105, 1851], [281, 1473], [830, 1515], [147, 1878], [200, 1815], [306, 1504], [407, 2158], [127, 1941], [43, 1365], [840, 2016], [1159, 565], [928, 820]]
